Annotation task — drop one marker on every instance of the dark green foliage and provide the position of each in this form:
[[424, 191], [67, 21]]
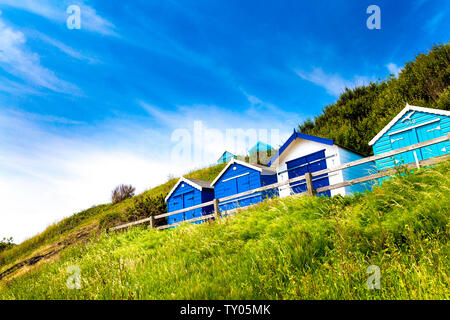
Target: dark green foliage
[[306, 126], [6, 243], [110, 220], [360, 113], [145, 206]]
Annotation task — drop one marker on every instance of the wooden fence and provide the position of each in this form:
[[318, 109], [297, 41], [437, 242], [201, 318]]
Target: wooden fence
[[308, 178]]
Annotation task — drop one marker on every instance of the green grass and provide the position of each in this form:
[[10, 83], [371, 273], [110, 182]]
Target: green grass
[[57, 231], [292, 248]]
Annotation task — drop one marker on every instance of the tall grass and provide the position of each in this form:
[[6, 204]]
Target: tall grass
[[94, 215], [292, 248]]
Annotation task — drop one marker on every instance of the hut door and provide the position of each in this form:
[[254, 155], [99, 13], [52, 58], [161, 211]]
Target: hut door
[[188, 201], [428, 132], [243, 184], [311, 163], [403, 139], [177, 204]]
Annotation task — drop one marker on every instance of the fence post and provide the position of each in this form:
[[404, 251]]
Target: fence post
[[416, 159], [309, 184], [152, 222], [216, 208]]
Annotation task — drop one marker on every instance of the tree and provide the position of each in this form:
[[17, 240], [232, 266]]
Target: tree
[[6, 243], [122, 192]]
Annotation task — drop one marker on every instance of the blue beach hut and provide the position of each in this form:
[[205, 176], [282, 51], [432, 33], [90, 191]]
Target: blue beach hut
[[188, 193], [239, 176], [412, 125], [302, 153], [225, 157]]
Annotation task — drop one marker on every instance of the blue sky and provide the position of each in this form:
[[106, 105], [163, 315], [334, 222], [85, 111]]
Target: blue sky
[[84, 110]]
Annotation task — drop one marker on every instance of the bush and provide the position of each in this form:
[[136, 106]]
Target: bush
[[110, 220], [145, 206], [6, 243], [122, 192]]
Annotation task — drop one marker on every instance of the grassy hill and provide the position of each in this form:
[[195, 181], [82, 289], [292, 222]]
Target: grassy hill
[[83, 226], [352, 121], [292, 248]]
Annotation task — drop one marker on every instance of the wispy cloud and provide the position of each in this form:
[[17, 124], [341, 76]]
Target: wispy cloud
[[393, 69], [56, 11], [65, 48], [59, 174], [15, 88], [334, 84], [18, 60], [432, 24], [270, 123]]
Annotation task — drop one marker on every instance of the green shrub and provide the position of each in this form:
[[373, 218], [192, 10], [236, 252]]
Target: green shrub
[[6, 243], [110, 220], [145, 206]]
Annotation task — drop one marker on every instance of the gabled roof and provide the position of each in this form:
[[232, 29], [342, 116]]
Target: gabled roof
[[226, 152], [292, 138], [260, 146], [401, 114], [263, 169], [196, 183]]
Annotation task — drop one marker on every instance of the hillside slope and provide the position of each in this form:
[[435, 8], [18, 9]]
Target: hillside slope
[[83, 226], [352, 121], [293, 248]]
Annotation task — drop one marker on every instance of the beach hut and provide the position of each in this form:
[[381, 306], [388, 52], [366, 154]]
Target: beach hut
[[239, 176], [188, 193], [260, 153], [303, 153], [412, 125], [225, 157]]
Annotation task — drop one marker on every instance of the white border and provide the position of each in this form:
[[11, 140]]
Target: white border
[[400, 115], [264, 171], [189, 182]]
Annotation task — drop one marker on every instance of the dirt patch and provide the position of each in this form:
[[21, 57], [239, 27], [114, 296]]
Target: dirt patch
[[81, 235]]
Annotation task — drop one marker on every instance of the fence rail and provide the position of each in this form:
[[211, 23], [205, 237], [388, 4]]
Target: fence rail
[[308, 178]]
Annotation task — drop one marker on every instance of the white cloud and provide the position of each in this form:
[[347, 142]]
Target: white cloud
[[93, 22], [393, 69], [18, 60], [65, 48], [56, 11], [259, 117], [45, 175], [333, 83], [48, 172]]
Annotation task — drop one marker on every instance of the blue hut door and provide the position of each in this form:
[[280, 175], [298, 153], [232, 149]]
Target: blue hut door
[[229, 188], [428, 132], [311, 163], [188, 201], [243, 184], [177, 205], [404, 139]]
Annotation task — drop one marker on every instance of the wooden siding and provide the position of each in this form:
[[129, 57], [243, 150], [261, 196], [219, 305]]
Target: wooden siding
[[356, 172], [185, 197], [238, 180], [422, 126]]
